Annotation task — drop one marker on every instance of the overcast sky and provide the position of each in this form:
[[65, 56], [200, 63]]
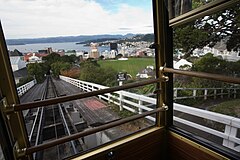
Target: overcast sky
[[49, 18]]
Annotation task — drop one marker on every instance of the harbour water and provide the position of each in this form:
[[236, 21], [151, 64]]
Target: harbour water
[[55, 46]]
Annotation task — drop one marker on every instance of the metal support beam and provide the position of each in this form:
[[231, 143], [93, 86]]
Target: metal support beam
[[160, 19], [14, 121]]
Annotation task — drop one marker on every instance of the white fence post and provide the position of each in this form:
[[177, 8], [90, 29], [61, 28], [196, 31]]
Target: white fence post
[[139, 107], [215, 93], [175, 92], [194, 93], [120, 101], [231, 132], [109, 97], [234, 93], [205, 94]]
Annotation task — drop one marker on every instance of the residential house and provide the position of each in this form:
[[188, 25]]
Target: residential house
[[17, 63], [182, 64], [18, 67], [146, 73], [21, 73]]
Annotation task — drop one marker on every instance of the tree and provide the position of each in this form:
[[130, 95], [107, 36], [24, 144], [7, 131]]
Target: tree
[[57, 67], [37, 70], [211, 64], [51, 58], [209, 30], [92, 72], [70, 59]]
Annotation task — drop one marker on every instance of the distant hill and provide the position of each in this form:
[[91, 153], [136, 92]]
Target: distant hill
[[98, 40], [66, 39]]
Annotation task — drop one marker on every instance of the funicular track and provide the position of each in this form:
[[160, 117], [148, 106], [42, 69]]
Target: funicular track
[[53, 122]]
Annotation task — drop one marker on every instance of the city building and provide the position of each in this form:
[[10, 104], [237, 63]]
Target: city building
[[219, 50], [94, 50]]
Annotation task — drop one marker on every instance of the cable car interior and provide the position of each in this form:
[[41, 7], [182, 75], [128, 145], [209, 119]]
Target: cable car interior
[[173, 134]]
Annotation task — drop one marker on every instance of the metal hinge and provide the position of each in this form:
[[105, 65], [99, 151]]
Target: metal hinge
[[165, 78], [18, 152], [165, 106], [5, 107]]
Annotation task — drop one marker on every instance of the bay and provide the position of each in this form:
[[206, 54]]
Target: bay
[[55, 46]]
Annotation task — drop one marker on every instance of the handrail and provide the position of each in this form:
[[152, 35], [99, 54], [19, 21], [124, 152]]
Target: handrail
[[211, 76], [46, 145], [143, 103], [25, 106]]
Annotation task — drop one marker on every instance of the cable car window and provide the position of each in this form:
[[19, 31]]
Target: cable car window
[[206, 108], [61, 48]]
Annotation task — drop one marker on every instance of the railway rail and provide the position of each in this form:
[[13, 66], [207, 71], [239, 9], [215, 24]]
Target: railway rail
[[52, 122]]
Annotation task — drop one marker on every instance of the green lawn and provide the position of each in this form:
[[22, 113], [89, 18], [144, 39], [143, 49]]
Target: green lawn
[[231, 108], [131, 66]]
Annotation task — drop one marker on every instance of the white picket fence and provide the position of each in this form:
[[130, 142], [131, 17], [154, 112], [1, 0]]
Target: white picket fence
[[139, 103], [24, 88], [205, 93]]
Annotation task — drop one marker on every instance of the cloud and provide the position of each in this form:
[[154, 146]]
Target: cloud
[[45, 18], [124, 28]]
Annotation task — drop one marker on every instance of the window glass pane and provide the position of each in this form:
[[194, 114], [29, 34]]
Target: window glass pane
[[179, 7], [85, 46], [206, 108]]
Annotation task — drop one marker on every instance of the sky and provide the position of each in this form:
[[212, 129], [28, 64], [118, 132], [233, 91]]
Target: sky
[[51, 18]]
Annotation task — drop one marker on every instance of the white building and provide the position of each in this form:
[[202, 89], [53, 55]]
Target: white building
[[34, 59], [18, 67], [112, 54], [17, 63], [182, 64]]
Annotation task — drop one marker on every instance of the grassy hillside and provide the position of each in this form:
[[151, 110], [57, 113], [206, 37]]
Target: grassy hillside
[[131, 66], [231, 108]]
